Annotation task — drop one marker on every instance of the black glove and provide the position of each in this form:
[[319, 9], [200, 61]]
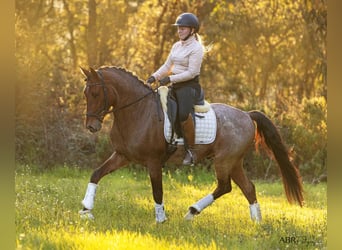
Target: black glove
[[151, 79], [165, 81]]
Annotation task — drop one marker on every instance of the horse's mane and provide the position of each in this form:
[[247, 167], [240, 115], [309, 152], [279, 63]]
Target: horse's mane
[[126, 72]]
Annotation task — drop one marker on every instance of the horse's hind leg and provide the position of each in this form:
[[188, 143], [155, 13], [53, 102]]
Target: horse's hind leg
[[114, 162], [248, 189], [223, 186]]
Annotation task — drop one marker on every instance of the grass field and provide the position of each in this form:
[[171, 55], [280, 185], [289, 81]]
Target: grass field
[[47, 217]]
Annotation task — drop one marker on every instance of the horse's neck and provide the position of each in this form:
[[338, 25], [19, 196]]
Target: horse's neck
[[131, 95], [133, 104], [134, 119], [127, 87], [135, 116]]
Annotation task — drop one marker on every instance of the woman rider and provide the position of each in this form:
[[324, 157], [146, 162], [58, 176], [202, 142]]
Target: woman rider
[[184, 63]]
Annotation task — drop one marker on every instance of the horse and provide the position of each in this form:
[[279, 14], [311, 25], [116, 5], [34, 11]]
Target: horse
[[137, 136]]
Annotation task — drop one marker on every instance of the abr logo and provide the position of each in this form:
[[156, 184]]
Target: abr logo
[[288, 239]]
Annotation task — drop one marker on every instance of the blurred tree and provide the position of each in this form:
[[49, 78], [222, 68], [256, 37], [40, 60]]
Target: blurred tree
[[267, 55], [92, 34]]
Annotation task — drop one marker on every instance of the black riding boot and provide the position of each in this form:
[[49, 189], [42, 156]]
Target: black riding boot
[[188, 129]]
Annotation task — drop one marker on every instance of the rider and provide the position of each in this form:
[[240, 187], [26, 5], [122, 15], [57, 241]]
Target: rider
[[184, 63]]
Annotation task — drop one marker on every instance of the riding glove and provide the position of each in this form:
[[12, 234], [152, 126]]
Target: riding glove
[[165, 81], [151, 79]]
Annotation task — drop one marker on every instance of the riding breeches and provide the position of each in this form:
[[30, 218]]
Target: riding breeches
[[187, 97]]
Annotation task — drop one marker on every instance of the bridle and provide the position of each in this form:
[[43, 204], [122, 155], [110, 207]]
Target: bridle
[[106, 107]]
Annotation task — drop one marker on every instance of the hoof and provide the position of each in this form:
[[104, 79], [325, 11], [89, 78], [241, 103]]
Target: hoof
[[86, 214], [161, 221], [191, 213], [189, 216]]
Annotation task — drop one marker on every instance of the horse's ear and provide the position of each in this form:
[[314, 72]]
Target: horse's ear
[[94, 74], [85, 72]]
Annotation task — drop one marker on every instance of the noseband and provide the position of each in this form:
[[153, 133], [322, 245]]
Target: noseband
[[106, 108]]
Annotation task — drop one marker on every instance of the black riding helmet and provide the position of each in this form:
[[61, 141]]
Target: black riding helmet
[[188, 20]]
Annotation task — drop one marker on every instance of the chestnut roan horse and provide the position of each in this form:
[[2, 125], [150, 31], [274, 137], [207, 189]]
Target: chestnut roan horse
[[137, 136]]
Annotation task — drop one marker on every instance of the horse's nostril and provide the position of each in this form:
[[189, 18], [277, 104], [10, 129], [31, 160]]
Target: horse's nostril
[[91, 129]]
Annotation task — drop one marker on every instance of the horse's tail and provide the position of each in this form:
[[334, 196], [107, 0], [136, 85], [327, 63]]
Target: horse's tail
[[268, 135]]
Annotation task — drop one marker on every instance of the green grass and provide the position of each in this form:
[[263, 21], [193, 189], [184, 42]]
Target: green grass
[[47, 217]]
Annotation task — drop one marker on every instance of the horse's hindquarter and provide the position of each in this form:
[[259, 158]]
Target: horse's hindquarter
[[235, 133], [235, 129]]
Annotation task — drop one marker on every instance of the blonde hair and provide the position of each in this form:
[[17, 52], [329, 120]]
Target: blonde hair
[[206, 48]]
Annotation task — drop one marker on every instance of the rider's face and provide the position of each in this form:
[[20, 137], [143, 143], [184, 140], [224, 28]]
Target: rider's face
[[183, 32]]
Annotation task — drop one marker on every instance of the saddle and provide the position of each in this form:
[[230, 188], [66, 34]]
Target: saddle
[[170, 106], [204, 119]]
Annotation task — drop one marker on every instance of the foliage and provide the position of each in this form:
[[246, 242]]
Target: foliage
[[47, 218], [266, 55], [309, 136], [304, 128]]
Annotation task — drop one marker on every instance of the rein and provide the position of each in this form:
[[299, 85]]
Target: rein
[[130, 104]]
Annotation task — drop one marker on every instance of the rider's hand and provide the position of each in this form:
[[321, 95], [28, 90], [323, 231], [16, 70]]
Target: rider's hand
[[150, 80], [165, 81]]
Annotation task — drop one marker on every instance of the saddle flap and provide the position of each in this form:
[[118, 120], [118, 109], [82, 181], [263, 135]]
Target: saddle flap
[[205, 130], [205, 119]]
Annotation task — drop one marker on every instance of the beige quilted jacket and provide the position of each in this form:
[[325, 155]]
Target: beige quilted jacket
[[184, 61]]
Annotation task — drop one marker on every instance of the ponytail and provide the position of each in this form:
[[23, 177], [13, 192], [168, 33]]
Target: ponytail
[[206, 48]]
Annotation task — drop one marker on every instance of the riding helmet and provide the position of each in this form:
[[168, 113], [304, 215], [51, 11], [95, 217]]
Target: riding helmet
[[187, 20]]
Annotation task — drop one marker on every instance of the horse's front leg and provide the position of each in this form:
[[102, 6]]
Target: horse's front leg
[[155, 171], [114, 162]]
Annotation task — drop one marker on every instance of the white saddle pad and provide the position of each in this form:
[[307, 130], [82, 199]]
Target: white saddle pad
[[205, 132]]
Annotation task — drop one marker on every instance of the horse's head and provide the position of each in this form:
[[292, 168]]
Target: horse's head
[[96, 94]]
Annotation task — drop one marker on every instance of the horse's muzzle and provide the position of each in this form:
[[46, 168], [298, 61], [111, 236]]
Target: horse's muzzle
[[91, 129], [94, 126]]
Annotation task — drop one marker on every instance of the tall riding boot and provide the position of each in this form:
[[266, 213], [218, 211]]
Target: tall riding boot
[[188, 129]]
